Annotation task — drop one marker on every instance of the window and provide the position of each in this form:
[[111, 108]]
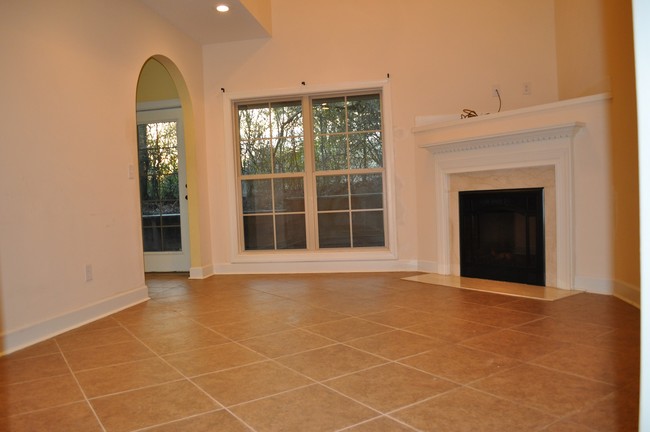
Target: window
[[311, 172]]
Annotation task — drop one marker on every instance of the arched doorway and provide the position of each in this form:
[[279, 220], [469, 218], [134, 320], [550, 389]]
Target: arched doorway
[[162, 171]]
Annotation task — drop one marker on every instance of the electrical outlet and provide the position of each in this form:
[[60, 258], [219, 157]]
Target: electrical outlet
[[89, 272], [496, 90], [527, 89]]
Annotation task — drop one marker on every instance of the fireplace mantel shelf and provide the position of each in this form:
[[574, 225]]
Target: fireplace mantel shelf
[[500, 129], [470, 140]]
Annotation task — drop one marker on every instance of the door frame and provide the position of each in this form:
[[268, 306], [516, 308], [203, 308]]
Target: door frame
[[167, 111]]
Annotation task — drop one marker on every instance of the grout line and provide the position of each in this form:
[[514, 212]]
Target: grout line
[[83, 392]]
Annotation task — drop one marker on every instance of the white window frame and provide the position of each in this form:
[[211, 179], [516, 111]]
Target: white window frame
[[353, 254]]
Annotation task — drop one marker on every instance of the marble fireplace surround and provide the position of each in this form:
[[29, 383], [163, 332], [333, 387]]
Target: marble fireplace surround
[[528, 147]]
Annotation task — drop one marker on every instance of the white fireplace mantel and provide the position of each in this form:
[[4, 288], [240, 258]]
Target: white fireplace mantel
[[530, 137], [472, 138]]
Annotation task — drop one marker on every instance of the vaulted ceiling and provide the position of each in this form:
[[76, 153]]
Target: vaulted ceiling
[[246, 19]]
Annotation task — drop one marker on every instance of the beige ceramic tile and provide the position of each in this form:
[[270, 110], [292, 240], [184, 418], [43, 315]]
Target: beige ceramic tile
[[399, 317], [348, 329], [396, 344], [156, 328], [617, 412], [514, 344], [88, 339], [183, 340], [39, 394], [312, 408], [381, 424], [389, 387], [77, 417], [151, 406], [251, 328], [451, 329], [286, 343], [469, 410], [42, 348], [460, 364], [126, 376], [498, 317], [330, 361], [217, 421], [14, 370], [582, 353], [550, 391], [564, 330], [613, 367], [235, 386], [212, 359], [107, 355]]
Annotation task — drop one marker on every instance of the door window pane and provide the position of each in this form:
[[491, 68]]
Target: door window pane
[[159, 193]]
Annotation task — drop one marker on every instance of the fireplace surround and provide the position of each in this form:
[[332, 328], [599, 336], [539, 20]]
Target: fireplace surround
[[506, 147]]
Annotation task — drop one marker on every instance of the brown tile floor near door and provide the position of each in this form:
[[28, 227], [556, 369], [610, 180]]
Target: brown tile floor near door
[[354, 352]]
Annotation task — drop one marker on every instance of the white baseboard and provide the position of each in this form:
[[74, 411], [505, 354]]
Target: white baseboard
[[201, 272], [594, 285], [622, 290], [17, 339], [628, 293], [316, 267], [428, 266]]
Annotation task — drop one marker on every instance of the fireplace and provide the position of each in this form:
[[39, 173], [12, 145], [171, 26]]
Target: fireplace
[[502, 235], [506, 151]]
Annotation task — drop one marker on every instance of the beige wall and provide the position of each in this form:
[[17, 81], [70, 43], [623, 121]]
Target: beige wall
[[68, 88], [595, 54], [581, 54], [155, 83], [441, 57], [68, 135]]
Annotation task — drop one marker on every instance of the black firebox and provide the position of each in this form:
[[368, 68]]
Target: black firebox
[[502, 235]]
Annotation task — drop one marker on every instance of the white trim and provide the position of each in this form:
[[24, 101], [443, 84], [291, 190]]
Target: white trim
[[201, 272], [249, 257], [425, 123], [20, 338], [158, 105], [347, 266], [471, 149], [170, 111], [628, 293]]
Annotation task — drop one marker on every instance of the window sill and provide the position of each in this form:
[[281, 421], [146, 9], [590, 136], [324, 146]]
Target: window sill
[[334, 255]]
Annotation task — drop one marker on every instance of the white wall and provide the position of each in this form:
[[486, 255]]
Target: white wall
[[68, 136], [441, 56]]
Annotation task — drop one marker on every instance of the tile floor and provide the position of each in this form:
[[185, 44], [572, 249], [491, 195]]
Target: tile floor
[[332, 352]]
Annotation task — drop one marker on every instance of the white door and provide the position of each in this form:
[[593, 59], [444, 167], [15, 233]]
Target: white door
[[163, 190]]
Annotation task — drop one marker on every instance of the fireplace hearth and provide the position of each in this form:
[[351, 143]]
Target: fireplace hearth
[[502, 235]]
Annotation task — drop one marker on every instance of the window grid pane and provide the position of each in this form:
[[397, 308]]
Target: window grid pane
[[347, 168]]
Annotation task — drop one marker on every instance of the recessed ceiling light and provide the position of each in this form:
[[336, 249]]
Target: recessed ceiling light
[[222, 8]]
